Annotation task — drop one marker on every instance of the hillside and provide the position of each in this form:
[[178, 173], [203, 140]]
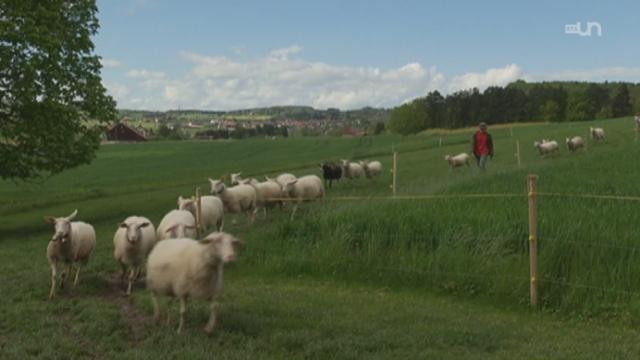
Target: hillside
[[352, 278]]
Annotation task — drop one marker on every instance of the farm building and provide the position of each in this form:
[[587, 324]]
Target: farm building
[[124, 132]]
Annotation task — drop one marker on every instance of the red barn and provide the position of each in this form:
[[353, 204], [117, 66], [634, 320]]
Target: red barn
[[124, 132]]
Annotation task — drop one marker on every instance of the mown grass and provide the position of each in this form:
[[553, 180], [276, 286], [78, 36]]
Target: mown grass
[[316, 281]]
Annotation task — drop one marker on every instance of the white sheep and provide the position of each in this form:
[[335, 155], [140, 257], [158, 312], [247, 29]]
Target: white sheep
[[211, 211], [132, 242], [458, 160], [304, 188], [371, 168], [240, 198], [637, 120], [186, 268], [236, 179], [268, 193], [546, 146], [175, 224], [71, 243], [597, 133], [574, 143], [283, 179], [351, 170]]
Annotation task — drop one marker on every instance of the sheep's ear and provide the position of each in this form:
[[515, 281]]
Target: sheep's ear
[[238, 243], [189, 226], [50, 219], [73, 215], [122, 225], [171, 228], [292, 182], [211, 180], [211, 238], [144, 224]]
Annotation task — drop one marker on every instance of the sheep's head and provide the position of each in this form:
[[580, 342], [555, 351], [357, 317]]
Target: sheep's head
[[217, 186], [447, 157], [62, 226], [187, 204], [288, 187], [179, 230], [225, 247], [251, 181], [133, 230], [235, 178], [567, 140], [344, 162], [536, 144]]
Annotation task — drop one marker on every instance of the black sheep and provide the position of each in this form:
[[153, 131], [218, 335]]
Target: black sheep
[[330, 172]]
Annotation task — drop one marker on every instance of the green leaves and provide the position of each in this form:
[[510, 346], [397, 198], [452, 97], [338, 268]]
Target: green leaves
[[53, 106]]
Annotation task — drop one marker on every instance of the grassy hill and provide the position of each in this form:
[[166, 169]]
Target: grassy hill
[[441, 277]]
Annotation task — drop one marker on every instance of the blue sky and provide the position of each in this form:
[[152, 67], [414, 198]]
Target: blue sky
[[221, 55]]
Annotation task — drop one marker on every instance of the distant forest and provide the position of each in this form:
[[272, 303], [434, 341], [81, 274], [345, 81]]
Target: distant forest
[[517, 102]]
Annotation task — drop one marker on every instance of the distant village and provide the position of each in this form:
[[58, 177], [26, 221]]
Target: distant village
[[150, 126]]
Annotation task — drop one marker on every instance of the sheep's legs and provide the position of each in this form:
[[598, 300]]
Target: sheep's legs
[[211, 324], [169, 303], [183, 310], [132, 276], [65, 273], [156, 307], [52, 292], [75, 281], [293, 213], [252, 215], [123, 273], [220, 225]]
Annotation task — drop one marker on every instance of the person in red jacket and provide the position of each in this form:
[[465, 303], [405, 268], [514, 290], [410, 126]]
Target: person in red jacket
[[482, 146]]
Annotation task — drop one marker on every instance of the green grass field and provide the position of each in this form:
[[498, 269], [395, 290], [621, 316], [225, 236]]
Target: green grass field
[[376, 278]]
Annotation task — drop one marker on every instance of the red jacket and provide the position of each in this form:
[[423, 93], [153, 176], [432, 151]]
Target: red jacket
[[482, 144]]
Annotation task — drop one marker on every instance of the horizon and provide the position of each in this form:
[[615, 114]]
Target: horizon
[[215, 56]]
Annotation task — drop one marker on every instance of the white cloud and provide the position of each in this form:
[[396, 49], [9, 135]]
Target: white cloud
[[145, 74], [110, 63], [491, 77], [218, 82], [117, 90], [281, 77]]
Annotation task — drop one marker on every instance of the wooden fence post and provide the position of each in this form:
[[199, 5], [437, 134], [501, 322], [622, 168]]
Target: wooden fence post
[[198, 213], [533, 240], [518, 151], [394, 172], [440, 143]]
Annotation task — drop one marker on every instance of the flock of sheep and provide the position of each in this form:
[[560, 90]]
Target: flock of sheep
[[544, 146], [178, 265]]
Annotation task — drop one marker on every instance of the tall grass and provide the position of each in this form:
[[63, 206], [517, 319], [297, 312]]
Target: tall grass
[[473, 247]]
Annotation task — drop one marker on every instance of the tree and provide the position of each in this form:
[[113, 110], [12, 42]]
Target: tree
[[578, 107], [53, 107], [621, 101], [550, 111], [378, 128], [408, 118]]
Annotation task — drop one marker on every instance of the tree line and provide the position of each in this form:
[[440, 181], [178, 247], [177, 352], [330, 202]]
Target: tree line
[[517, 102]]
